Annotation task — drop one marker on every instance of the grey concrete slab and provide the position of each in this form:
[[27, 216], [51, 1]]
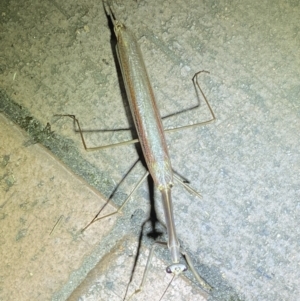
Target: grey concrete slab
[[243, 235]]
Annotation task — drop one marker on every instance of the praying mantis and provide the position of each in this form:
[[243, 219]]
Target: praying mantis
[[151, 137]]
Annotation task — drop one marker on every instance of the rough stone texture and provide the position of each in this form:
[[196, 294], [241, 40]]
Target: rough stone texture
[[44, 207]]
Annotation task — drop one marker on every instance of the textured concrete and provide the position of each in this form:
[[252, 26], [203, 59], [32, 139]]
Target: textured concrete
[[244, 234], [44, 207]]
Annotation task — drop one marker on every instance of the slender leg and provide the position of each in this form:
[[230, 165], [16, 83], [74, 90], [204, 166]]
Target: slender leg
[[97, 147], [188, 260], [197, 89], [97, 217], [186, 186], [201, 281]]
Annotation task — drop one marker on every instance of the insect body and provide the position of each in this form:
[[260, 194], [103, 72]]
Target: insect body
[[151, 136], [149, 128]]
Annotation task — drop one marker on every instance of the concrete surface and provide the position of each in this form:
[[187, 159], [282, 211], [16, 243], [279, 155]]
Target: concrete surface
[[243, 235], [43, 209]]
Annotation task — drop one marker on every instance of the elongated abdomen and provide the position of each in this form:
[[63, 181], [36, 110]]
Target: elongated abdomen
[[143, 108]]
